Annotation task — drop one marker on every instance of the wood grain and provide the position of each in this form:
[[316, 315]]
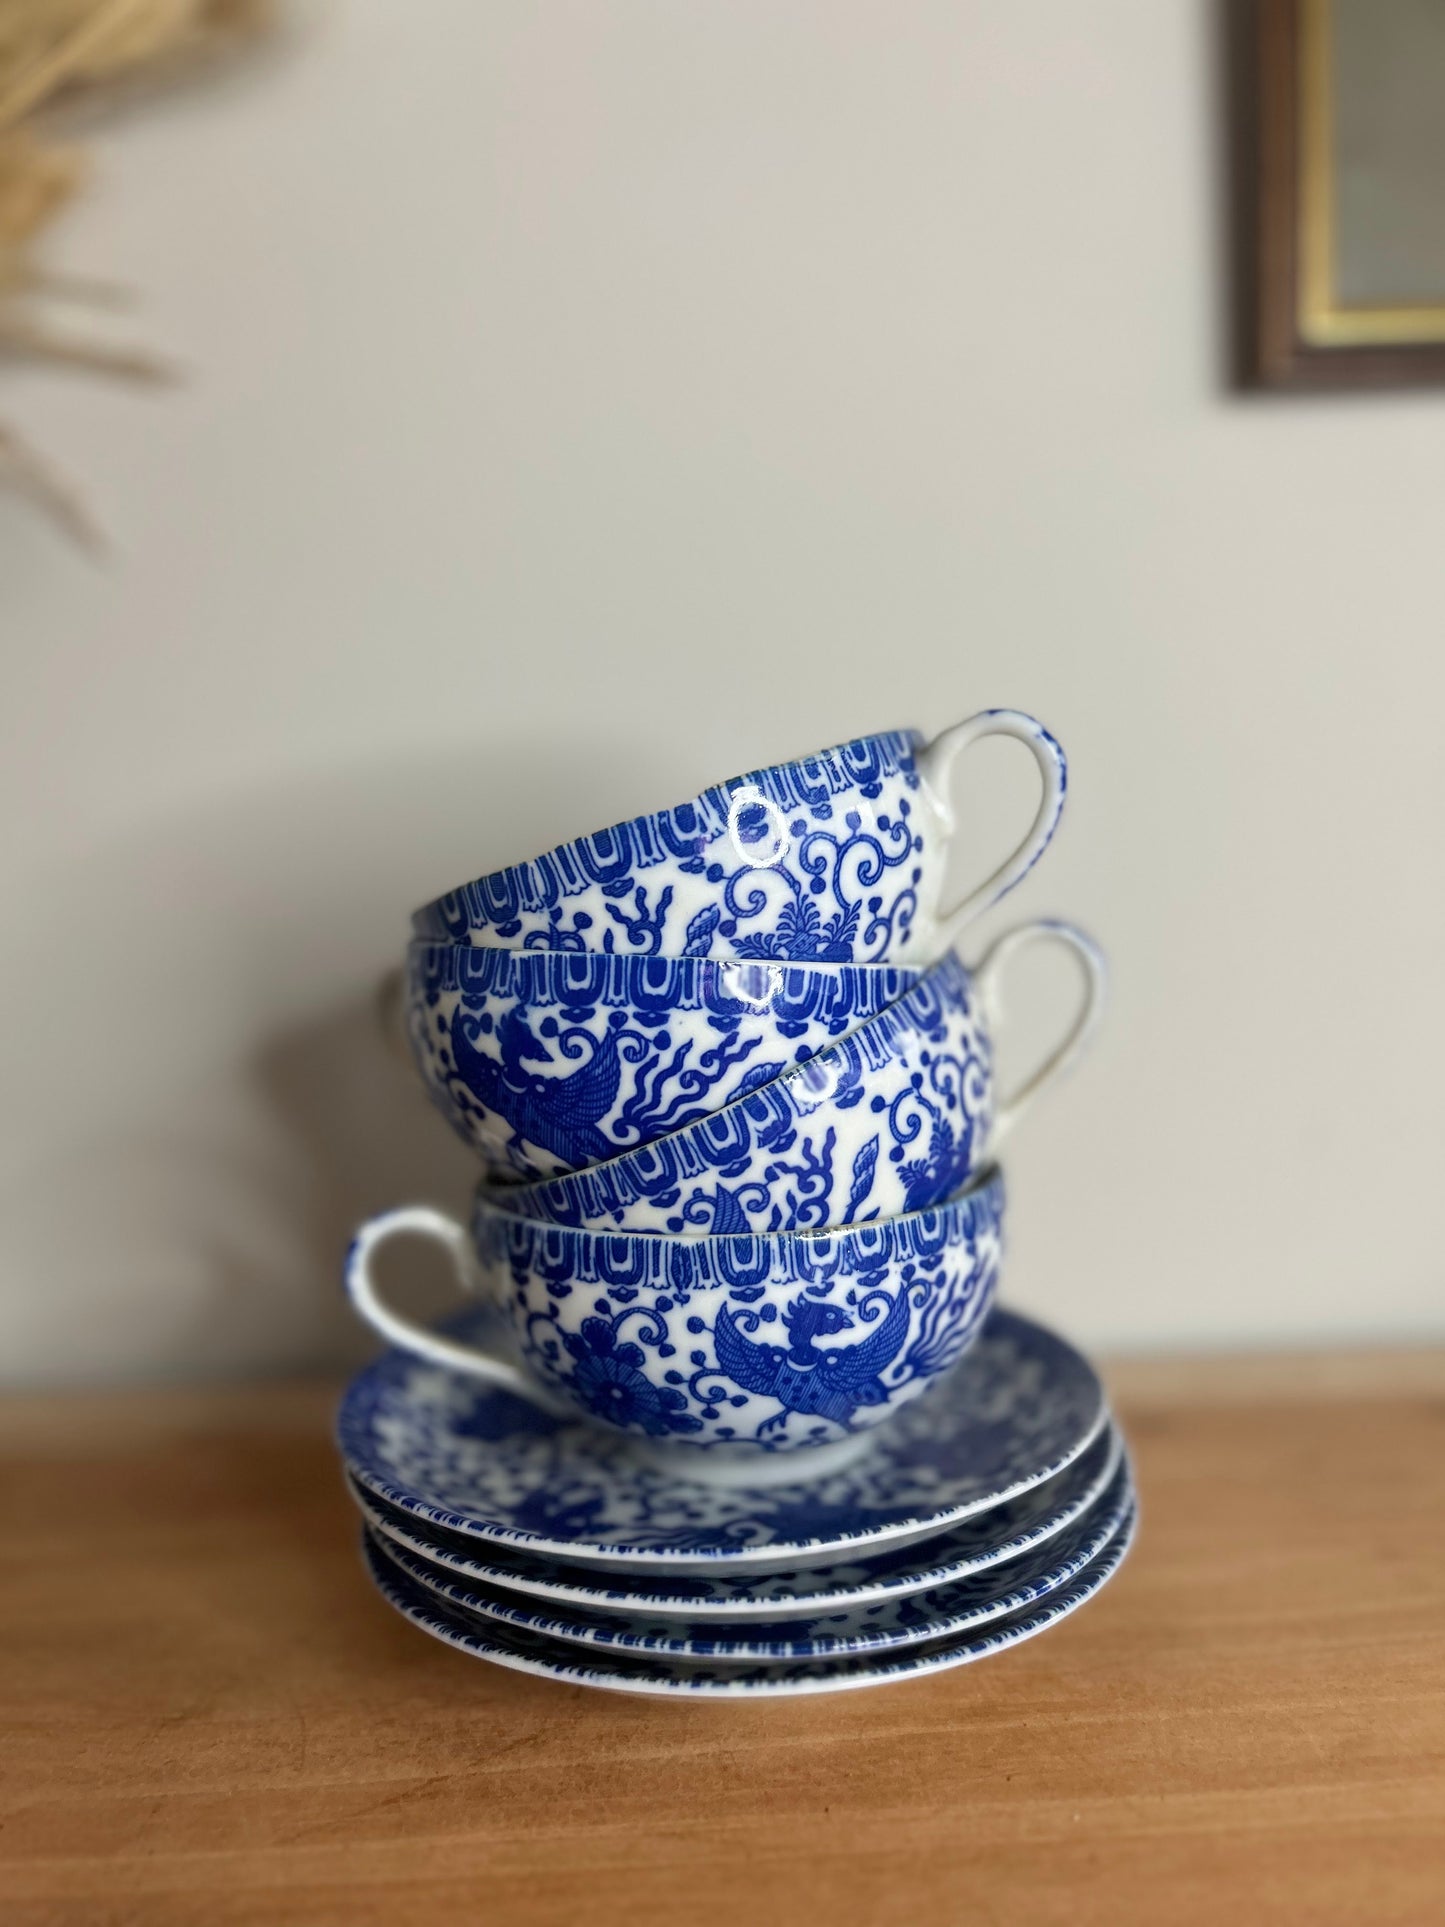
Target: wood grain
[[209, 1718]]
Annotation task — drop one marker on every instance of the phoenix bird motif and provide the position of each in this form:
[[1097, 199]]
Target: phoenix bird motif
[[560, 1114], [825, 1384]]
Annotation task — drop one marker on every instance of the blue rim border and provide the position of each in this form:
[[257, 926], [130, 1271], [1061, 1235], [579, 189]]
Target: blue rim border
[[365, 1387]]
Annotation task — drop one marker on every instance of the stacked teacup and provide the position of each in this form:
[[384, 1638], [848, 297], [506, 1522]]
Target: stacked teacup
[[733, 1095]]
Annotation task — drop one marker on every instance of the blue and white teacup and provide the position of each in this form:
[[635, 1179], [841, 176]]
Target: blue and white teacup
[[892, 1118], [548, 1061], [836, 858], [746, 1345]]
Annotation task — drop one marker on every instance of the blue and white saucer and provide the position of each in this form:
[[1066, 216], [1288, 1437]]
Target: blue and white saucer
[[1020, 1407], [529, 1652], [880, 1627], [732, 1598]]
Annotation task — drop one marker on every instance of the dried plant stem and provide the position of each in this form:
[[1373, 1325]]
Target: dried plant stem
[[67, 49], [35, 83], [28, 471], [20, 276], [20, 335]]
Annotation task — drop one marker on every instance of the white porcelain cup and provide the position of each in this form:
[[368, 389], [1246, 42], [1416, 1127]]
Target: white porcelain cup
[[836, 858], [896, 1116]]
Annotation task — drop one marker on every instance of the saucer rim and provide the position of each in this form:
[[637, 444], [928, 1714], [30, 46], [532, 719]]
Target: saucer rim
[[727, 1651], [813, 1677], [603, 1554], [739, 1611]]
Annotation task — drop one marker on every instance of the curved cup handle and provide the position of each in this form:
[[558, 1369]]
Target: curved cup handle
[[422, 1220], [986, 978], [935, 764]]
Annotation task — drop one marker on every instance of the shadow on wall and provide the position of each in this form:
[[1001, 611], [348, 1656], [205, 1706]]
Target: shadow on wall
[[203, 1104], [366, 1137]]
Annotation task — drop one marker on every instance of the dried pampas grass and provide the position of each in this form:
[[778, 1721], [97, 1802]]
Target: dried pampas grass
[[53, 51]]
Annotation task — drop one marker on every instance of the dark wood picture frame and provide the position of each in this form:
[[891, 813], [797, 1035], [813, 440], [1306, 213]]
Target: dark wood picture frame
[[1301, 337]]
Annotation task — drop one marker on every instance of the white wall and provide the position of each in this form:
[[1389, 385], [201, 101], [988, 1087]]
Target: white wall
[[588, 402]]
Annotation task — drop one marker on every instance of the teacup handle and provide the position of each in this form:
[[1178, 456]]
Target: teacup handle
[[423, 1220], [986, 979], [935, 765]]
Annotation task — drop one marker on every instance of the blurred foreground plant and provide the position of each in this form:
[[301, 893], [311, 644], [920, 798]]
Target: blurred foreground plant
[[52, 51]]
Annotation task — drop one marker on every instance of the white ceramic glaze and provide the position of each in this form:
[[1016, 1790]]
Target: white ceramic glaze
[[547, 1061], [528, 1652], [872, 1627], [741, 1345], [455, 1454], [839, 857], [1020, 1525], [895, 1117]]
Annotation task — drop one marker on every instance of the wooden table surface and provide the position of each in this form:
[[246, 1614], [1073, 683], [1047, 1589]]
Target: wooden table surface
[[208, 1717]]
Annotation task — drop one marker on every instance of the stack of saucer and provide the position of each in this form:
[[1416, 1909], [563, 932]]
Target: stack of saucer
[[736, 1413]]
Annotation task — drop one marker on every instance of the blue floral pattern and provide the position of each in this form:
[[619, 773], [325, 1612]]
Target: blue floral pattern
[[769, 1342], [877, 1627], [453, 1453], [711, 1599], [607, 1376], [523, 1650], [836, 858], [891, 1119], [814, 861], [548, 1061]]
